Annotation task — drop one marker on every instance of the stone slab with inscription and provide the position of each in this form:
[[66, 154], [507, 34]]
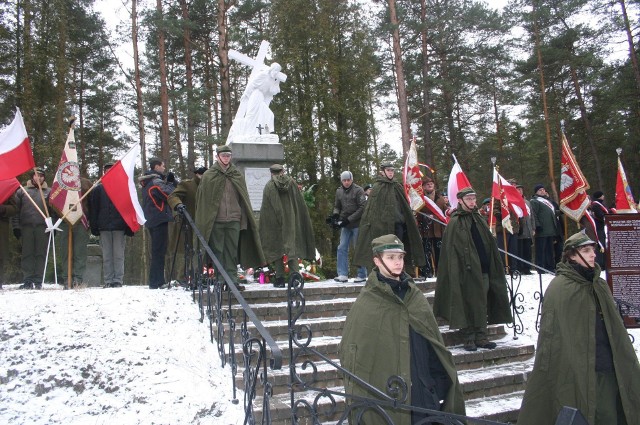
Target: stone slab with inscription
[[623, 262]]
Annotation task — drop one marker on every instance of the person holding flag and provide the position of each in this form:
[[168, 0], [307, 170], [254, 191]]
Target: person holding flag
[[471, 289], [29, 225]]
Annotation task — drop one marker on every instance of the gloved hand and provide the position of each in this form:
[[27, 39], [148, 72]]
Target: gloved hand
[[95, 231], [3, 210], [336, 217], [181, 208], [17, 233], [171, 177], [344, 223], [538, 229]]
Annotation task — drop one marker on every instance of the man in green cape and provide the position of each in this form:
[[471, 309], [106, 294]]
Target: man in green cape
[[183, 198], [285, 225], [388, 211], [584, 358], [391, 331], [471, 289], [225, 218]]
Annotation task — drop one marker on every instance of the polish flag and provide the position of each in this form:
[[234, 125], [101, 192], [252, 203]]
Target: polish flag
[[624, 197], [498, 192], [514, 200], [7, 188], [457, 181], [574, 200], [15, 151], [118, 183]]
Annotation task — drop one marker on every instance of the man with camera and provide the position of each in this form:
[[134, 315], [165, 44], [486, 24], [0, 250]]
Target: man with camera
[[347, 210]]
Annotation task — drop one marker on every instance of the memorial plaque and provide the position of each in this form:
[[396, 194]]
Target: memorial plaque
[[623, 262], [257, 179]]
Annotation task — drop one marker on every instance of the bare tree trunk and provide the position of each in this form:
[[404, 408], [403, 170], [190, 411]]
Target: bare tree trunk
[[211, 105], [164, 95], [141, 132], [223, 54], [399, 68], [632, 51], [545, 110], [188, 63], [61, 67], [176, 129], [83, 144], [426, 88], [587, 126], [496, 114]]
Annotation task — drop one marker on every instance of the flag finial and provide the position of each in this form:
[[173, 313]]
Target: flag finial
[[619, 151]]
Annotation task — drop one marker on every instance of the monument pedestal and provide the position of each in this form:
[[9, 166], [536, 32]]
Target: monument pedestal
[[253, 157]]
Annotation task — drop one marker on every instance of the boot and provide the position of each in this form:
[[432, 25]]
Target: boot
[[470, 345], [485, 343]]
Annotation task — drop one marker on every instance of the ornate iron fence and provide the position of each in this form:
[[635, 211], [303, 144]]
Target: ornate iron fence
[[260, 353]]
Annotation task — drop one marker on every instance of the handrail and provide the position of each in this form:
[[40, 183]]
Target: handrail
[[276, 353]]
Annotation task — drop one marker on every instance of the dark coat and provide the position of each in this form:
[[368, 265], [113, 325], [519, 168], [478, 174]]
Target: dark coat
[[564, 372], [155, 194], [103, 215], [546, 221], [386, 205], [375, 343], [27, 214], [208, 199], [285, 225], [349, 204], [460, 275]]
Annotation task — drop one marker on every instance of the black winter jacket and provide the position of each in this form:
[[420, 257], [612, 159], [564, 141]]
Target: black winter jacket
[[155, 194], [103, 215]]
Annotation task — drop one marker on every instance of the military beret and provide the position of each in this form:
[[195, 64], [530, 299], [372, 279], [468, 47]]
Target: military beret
[[597, 194], [427, 179], [537, 187], [276, 168], [200, 170], [385, 165], [224, 148], [576, 241], [387, 243], [464, 192], [486, 201], [367, 186], [39, 171]]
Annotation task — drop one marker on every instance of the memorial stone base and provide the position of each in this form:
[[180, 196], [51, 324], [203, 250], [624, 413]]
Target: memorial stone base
[[253, 158], [93, 272]]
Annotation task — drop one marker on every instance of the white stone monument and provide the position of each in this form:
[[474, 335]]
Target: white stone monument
[[255, 146]]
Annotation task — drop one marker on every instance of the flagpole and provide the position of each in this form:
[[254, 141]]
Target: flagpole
[[44, 202], [70, 256], [84, 195], [33, 202], [492, 220]]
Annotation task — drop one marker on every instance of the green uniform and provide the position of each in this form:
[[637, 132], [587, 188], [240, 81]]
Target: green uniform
[[235, 241], [32, 225], [387, 209], [376, 344], [564, 373], [184, 193], [465, 297], [285, 225]]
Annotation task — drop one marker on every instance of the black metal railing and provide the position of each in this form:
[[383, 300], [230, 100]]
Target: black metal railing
[[217, 295]]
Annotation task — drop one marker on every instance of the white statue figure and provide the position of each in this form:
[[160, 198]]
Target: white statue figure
[[254, 119]]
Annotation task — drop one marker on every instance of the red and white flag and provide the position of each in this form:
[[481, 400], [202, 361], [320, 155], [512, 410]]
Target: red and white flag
[[457, 181], [624, 197], [15, 151], [574, 200], [7, 188], [413, 185], [498, 192], [65, 190], [515, 201], [119, 185]]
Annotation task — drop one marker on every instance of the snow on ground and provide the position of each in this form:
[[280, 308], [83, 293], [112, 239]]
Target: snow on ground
[[109, 356], [128, 356]]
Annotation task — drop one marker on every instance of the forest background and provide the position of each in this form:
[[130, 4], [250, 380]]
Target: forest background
[[477, 81]]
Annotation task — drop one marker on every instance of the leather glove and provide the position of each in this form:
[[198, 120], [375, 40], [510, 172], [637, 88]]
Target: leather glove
[[17, 233], [171, 177], [95, 231], [344, 223], [181, 208]]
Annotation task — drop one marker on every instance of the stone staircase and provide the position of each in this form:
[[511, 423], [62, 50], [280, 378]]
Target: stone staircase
[[493, 380]]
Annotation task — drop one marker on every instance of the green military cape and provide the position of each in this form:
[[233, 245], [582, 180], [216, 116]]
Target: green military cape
[[564, 372], [375, 344], [379, 219], [285, 225], [208, 199], [185, 193], [459, 281]]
